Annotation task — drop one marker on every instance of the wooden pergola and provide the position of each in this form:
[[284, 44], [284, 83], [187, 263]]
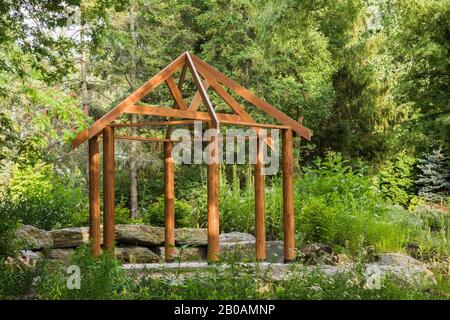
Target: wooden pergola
[[204, 77]]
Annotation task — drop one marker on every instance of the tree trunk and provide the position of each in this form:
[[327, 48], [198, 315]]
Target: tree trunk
[[84, 88], [134, 149]]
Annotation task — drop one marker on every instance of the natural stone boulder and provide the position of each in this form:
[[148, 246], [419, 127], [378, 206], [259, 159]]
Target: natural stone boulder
[[136, 255], [275, 251], [34, 238], [239, 250], [236, 237], [398, 259], [404, 268], [62, 255], [139, 234], [70, 237], [315, 253], [186, 254], [191, 236]]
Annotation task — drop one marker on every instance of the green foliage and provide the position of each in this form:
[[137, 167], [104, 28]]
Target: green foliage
[[15, 283], [37, 196], [395, 179], [155, 213], [101, 278], [9, 222], [339, 206], [433, 177]]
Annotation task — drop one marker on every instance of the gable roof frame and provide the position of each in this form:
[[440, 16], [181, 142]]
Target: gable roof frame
[[212, 77]]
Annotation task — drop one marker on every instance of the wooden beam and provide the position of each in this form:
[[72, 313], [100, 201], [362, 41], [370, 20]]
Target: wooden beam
[[142, 139], [260, 206], [151, 123], [186, 114], [202, 90], [233, 104], [176, 94], [94, 195], [213, 202], [204, 69], [108, 188], [197, 99], [288, 196], [98, 125], [169, 198], [180, 89]]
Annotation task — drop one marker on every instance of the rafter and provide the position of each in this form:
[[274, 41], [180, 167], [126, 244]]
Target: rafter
[[195, 103], [137, 95], [202, 90], [176, 94], [204, 68]]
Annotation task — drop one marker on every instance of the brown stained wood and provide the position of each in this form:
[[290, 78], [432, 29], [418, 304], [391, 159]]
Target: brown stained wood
[[197, 99], [180, 89], [186, 114], [169, 198], [108, 188], [288, 196], [260, 206], [213, 204], [202, 90], [152, 123], [204, 68], [234, 104], [176, 94], [94, 195], [142, 139], [98, 126]]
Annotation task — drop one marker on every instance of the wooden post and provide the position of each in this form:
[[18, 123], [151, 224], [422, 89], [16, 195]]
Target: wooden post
[[288, 196], [260, 214], [169, 197], [213, 203], [108, 188], [94, 195]]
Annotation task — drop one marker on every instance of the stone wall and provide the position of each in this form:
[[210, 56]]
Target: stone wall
[[142, 243]]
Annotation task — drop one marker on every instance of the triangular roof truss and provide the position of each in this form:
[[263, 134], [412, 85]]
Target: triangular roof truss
[[211, 78]]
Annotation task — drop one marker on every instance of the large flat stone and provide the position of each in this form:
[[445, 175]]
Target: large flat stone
[[136, 255], [137, 234], [235, 237], [34, 238], [70, 237], [186, 253], [191, 236], [63, 254]]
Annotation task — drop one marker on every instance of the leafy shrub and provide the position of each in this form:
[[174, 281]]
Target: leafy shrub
[[15, 283], [339, 206], [9, 223], [39, 197], [155, 213], [433, 218], [395, 179], [122, 215], [101, 277]]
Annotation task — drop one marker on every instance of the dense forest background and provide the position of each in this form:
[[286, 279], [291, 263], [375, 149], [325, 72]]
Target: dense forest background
[[369, 77]]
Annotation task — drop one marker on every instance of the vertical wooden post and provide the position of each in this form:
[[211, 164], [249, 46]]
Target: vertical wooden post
[[169, 197], [94, 195], [260, 210], [213, 202], [108, 188], [288, 196]]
